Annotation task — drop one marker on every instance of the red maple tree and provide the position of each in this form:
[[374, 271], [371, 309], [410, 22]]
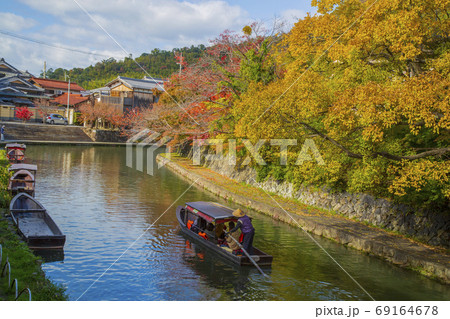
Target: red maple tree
[[23, 113], [202, 94], [106, 116]]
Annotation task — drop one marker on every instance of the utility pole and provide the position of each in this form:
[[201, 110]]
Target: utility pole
[[180, 60], [68, 101], [45, 69]]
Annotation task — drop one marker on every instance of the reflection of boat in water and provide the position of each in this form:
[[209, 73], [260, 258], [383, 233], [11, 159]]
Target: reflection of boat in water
[[229, 278], [15, 152], [21, 182], [195, 254], [214, 215], [35, 225], [50, 255]]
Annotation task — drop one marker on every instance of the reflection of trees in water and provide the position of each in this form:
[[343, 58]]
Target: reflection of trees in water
[[234, 282], [103, 170]]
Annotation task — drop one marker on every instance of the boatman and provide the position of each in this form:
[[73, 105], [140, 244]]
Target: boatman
[[245, 224], [233, 239]]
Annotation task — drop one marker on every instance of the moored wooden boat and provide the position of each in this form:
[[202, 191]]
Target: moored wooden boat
[[209, 213], [22, 182], [15, 152], [34, 224], [19, 166]]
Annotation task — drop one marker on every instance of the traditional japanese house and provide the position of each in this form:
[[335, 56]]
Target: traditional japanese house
[[127, 93]]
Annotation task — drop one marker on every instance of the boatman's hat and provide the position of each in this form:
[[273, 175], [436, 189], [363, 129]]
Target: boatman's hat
[[238, 213]]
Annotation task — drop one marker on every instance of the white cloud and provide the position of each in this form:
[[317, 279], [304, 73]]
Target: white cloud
[[291, 16], [12, 22], [138, 26], [149, 20], [54, 7], [30, 56]]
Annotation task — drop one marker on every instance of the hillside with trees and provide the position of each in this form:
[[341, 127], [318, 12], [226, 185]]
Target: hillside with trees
[[157, 63]]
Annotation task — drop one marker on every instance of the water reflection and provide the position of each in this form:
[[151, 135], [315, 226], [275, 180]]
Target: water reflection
[[106, 208], [50, 255], [234, 281]]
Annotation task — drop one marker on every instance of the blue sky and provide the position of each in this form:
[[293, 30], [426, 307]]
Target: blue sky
[[137, 25]]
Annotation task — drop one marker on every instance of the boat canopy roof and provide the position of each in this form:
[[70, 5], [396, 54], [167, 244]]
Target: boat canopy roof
[[15, 146], [20, 166], [22, 172], [213, 210]]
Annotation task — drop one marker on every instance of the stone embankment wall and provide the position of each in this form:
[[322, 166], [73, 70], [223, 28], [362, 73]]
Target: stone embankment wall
[[430, 227], [105, 135]]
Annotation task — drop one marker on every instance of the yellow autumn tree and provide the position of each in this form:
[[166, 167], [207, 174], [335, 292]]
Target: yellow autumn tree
[[369, 82]]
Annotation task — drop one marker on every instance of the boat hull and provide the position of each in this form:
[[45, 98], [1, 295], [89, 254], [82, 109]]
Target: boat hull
[[34, 224], [45, 242], [260, 257]]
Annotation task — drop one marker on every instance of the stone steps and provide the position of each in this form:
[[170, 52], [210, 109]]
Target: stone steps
[[44, 132]]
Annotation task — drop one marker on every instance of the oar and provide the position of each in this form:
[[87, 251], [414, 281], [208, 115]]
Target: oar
[[248, 255]]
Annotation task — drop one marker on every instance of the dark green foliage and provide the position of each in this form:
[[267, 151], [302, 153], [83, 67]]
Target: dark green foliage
[[158, 64], [4, 178], [277, 172]]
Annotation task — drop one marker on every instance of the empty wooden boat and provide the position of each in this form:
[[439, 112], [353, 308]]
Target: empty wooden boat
[[22, 182], [15, 152], [34, 224], [211, 217]]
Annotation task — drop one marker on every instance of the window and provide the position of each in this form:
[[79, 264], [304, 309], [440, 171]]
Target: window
[[197, 223], [183, 215], [201, 223], [191, 218]]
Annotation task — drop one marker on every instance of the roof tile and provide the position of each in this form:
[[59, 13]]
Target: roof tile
[[73, 100], [55, 84]]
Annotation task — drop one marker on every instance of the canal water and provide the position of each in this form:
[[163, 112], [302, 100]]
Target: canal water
[[124, 242]]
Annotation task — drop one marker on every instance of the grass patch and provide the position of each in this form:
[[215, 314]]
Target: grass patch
[[25, 266]]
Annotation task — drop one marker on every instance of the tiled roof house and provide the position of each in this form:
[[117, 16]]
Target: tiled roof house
[[54, 88], [16, 90]]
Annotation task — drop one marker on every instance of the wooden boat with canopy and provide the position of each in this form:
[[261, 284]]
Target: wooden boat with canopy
[[20, 166], [15, 152], [204, 221], [34, 224], [22, 182]]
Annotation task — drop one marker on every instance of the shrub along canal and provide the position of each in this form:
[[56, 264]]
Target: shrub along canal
[[103, 207]]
